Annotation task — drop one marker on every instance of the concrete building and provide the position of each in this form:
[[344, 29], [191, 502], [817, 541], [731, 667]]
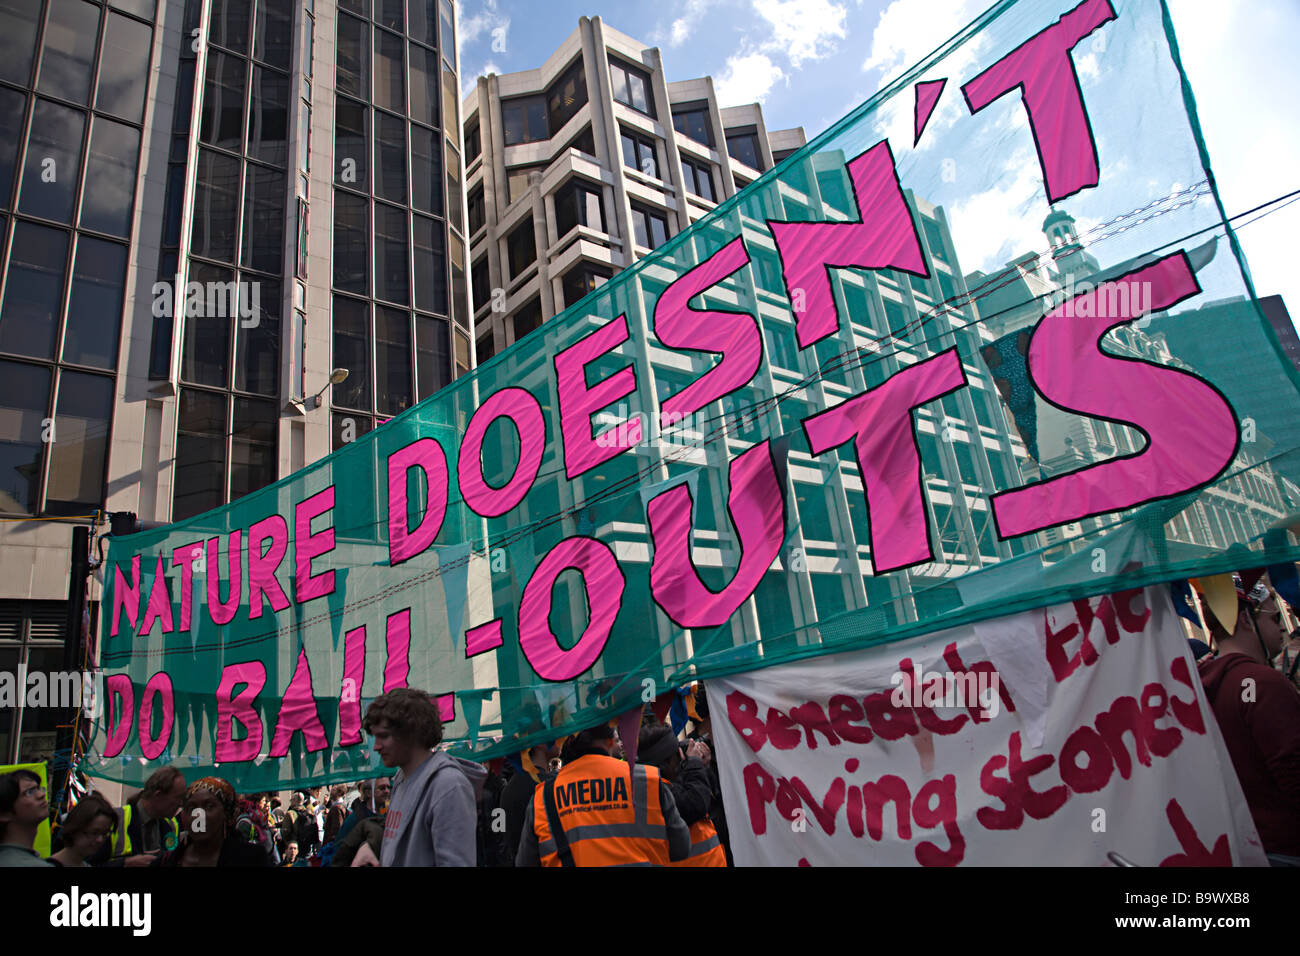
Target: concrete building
[[205, 207], [583, 166]]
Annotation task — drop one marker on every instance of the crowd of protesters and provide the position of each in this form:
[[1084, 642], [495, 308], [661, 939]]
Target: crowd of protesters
[[438, 810], [576, 801]]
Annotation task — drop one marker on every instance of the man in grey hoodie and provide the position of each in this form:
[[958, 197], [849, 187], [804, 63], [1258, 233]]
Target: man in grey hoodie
[[432, 814]]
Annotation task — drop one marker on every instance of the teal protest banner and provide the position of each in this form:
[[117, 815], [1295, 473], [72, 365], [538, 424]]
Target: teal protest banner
[[987, 344]]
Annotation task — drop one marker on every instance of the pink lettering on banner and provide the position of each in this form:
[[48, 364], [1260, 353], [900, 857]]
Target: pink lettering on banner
[[398, 636], [159, 686], [308, 546], [884, 237], [1195, 852], [1043, 70], [757, 510], [183, 558], [298, 713], [160, 603], [354, 675], [223, 612], [238, 708], [262, 565], [603, 581], [427, 455], [880, 423], [927, 94], [733, 335], [446, 707], [522, 410], [484, 638], [578, 401], [126, 597], [121, 707], [1190, 428]]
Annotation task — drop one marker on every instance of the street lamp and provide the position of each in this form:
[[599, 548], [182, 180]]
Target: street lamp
[[336, 377]]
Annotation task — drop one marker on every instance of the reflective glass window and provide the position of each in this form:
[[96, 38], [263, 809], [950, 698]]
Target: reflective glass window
[[123, 68], [524, 120], [107, 201], [268, 120], [80, 449], [273, 33], [430, 266], [448, 28], [695, 124], [141, 8], [222, 122], [351, 242], [228, 24], [352, 352], [422, 21], [432, 354], [426, 170], [392, 276], [388, 13], [212, 302], [18, 21], [12, 105], [200, 472], [639, 153], [95, 303], [450, 99], [216, 196], [390, 157], [69, 49], [350, 162], [578, 203], [521, 248], [24, 397], [455, 196], [253, 457], [263, 218], [631, 87], [392, 361], [424, 85], [389, 72], [29, 316], [53, 162], [566, 96], [353, 56]]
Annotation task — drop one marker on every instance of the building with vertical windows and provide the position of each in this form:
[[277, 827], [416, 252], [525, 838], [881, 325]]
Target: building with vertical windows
[[581, 167], [207, 206], [584, 166]]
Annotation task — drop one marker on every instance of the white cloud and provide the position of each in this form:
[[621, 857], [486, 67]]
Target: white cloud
[[747, 78], [910, 30], [992, 226], [488, 20], [682, 27], [803, 29]]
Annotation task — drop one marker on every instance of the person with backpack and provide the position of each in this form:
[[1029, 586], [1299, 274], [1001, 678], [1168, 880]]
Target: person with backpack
[[299, 826], [432, 814]]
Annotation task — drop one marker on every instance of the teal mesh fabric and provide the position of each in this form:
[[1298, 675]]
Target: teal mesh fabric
[[998, 257]]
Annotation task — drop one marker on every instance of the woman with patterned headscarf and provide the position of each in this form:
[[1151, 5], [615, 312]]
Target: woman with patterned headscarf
[[208, 833]]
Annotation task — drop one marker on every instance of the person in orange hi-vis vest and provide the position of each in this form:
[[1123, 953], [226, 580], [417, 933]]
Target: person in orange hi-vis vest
[[598, 811], [689, 782]]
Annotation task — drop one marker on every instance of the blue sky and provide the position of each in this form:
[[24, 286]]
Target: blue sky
[[810, 61]]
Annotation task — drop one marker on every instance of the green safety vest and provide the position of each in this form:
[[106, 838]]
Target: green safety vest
[[122, 836]]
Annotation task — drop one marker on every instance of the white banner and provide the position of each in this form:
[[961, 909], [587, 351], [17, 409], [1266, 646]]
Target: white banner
[[1049, 738]]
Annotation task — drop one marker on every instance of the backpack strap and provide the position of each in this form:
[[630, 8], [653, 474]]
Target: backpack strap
[[553, 822]]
